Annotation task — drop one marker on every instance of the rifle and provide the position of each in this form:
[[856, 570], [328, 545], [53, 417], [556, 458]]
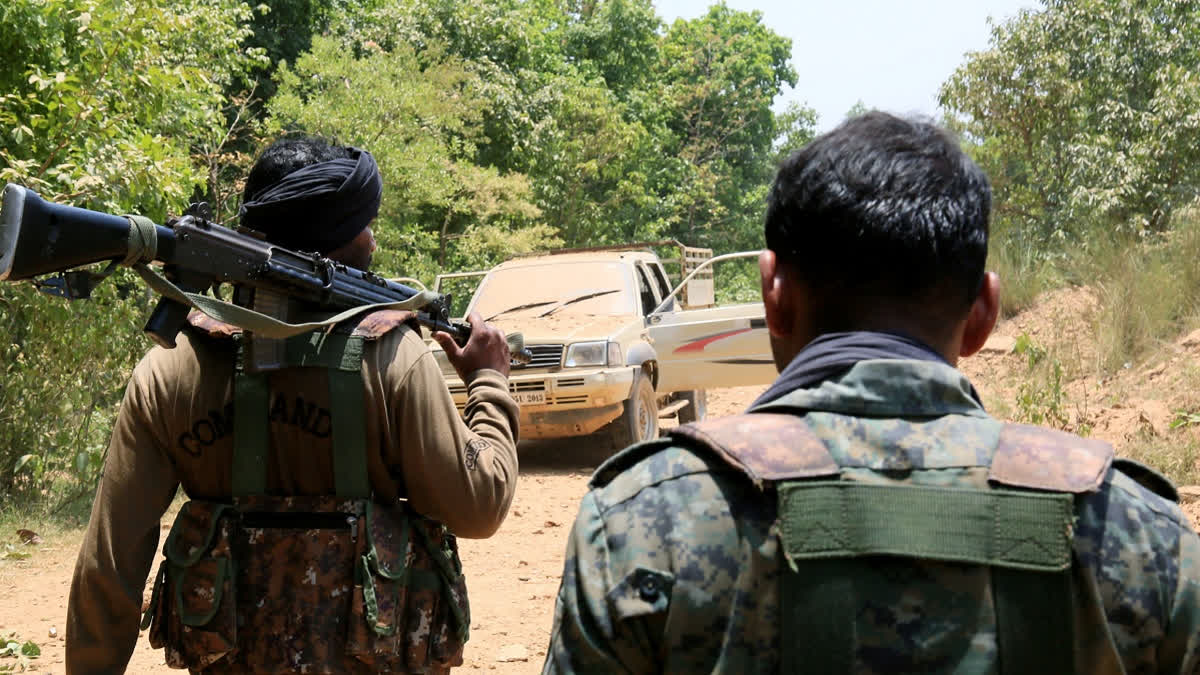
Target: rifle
[[38, 237]]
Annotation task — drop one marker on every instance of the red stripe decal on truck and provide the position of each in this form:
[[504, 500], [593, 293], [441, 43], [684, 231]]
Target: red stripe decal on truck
[[699, 344]]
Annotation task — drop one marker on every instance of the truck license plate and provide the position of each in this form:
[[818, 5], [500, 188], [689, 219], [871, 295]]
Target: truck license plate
[[530, 397]]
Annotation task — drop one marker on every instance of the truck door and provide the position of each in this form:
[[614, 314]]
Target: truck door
[[712, 346], [461, 287]]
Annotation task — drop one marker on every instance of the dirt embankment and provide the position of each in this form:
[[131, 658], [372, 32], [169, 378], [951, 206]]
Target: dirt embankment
[[514, 575]]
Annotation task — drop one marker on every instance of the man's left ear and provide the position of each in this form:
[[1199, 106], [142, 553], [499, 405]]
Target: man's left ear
[[777, 297], [985, 311]]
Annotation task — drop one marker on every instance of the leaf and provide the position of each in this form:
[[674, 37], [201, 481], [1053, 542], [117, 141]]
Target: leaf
[[24, 459], [17, 555], [30, 650]]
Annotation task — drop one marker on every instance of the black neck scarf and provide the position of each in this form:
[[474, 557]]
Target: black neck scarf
[[832, 354], [320, 207]]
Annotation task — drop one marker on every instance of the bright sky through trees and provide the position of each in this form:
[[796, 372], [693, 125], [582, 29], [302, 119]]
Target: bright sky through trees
[[890, 54]]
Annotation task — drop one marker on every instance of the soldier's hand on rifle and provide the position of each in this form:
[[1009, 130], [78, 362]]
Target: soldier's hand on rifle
[[486, 348]]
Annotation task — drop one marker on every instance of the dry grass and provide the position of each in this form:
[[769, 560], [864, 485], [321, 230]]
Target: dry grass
[[1023, 274], [1151, 292], [1177, 455]]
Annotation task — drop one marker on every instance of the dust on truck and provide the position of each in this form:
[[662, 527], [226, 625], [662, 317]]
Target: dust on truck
[[615, 344]]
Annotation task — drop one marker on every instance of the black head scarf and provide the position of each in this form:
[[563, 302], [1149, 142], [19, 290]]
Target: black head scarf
[[320, 207]]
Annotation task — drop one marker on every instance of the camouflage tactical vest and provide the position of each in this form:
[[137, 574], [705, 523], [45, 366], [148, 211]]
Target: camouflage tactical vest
[[1021, 529], [324, 584]]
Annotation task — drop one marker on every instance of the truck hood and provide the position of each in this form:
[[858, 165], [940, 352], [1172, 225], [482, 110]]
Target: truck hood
[[563, 328]]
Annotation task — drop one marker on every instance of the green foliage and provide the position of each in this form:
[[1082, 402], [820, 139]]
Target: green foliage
[[616, 40], [858, 109], [1023, 272], [420, 116], [598, 187], [1184, 419], [65, 367], [1032, 351], [737, 281], [100, 107], [512, 47], [11, 646], [103, 102], [282, 30], [796, 126], [1040, 398], [720, 73], [1084, 112]]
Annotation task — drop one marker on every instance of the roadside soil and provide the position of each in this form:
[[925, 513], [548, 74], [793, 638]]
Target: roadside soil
[[513, 576]]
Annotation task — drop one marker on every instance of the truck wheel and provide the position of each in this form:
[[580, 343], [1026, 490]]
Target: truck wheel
[[698, 410], [639, 421]]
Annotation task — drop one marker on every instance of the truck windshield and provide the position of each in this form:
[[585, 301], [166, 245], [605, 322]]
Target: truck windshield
[[595, 288]]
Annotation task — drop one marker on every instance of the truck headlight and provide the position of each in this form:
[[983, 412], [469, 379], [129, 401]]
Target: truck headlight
[[587, 354]]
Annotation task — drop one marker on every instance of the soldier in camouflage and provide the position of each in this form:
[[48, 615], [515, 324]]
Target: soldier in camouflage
[[324, 485], [866, 514]]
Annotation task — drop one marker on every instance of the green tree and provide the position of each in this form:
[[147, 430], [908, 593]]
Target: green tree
[[103, 111], [719, 75], [510, 46], [1084, 110], [594, 168], [616, 40], [103, 104], [858, 109], [421, 116], [796, 125]]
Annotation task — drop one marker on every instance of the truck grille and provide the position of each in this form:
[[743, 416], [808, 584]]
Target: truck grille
[[544, 356], [513, 387]]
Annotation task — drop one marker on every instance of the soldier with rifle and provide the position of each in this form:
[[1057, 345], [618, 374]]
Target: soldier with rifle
[[327, 473]]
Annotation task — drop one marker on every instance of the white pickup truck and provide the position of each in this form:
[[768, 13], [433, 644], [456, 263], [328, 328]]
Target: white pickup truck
[[614, 346]]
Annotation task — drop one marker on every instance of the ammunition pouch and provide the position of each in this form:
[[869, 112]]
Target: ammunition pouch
[[318, 584]]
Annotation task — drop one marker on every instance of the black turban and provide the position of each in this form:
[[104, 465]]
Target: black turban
[[320, 207]]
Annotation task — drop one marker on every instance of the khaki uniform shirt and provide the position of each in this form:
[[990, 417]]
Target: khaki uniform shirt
[[175, 428]]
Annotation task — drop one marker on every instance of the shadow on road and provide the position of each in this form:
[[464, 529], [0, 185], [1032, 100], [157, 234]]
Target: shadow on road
[[579, 455]]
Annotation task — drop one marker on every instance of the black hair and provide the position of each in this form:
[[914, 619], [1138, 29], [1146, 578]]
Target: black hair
[[882, 209], [286, 155]]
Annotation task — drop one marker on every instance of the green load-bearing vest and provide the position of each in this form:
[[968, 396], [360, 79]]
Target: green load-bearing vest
[[1021, 528]]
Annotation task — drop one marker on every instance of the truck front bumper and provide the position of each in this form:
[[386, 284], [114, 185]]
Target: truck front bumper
[[565, 403]]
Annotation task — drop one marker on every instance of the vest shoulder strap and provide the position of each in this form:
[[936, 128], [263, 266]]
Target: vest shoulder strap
[[341, 356], [767, 447], [1046, 459], [1148, 478], [377, 324], [205, 325]]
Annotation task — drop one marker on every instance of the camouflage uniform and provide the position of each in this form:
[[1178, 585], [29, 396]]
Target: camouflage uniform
[[175, 428], [673, 564]]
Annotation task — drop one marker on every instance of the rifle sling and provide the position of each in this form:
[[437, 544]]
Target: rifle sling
[[261, 324]]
